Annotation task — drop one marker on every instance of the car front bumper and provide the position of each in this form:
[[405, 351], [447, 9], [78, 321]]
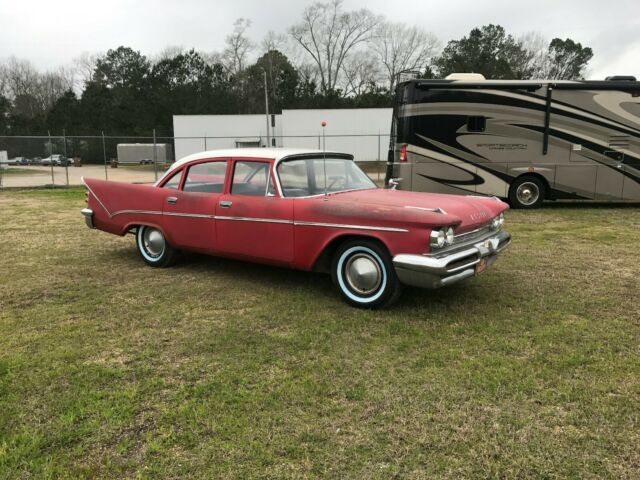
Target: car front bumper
[[457, 263], [87, 213]]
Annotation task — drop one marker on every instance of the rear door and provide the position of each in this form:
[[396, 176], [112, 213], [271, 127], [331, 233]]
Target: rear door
[[189, 205], [252, 220]]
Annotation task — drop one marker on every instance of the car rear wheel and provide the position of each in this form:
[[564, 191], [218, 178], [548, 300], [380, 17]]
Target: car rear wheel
[[154, 248], [527, 191], [364, 274]]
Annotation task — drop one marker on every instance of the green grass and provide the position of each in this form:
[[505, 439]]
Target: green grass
[[222, 369]]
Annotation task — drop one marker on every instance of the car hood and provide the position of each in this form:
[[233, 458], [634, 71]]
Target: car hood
[[467, 212]]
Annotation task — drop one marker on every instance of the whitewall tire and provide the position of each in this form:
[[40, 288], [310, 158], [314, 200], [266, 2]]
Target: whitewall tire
[[154, 247], [363, 272]]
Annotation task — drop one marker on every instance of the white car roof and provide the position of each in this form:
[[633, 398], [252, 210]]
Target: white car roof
[[271, 153], [275, 154]]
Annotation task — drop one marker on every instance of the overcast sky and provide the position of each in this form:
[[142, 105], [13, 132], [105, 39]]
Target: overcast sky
[[51, 33]]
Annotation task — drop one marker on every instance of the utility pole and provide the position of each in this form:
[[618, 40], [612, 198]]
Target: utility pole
[[266, 106]]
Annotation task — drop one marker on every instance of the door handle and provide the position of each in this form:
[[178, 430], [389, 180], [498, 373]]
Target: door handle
[[225, 204], [172, 200]]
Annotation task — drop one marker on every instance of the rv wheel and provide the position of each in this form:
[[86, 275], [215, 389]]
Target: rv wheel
[[527, 191]]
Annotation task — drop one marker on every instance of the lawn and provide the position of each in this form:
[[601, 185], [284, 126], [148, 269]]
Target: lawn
[[222, 369]]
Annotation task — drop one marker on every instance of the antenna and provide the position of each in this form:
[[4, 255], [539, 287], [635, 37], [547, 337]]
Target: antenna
[[323, 124]]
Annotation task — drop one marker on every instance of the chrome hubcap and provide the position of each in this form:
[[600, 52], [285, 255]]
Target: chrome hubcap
[[528, 193], [363, 274], [153, 242]]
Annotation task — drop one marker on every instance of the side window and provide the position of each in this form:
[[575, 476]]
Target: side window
[[476, 124], [206, 177], [294, 178], [174, 182], [250, 178]]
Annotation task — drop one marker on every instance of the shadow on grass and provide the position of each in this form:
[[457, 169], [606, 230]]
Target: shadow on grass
[[318, 285], [242, 271]]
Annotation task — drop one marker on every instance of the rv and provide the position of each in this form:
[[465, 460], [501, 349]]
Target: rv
[[525, 141]]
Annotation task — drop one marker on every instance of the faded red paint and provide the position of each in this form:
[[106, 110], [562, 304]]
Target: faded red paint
[[118, 207]]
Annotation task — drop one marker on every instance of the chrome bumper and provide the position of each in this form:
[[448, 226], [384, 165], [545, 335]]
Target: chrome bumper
[[88, 217], [445, 268]]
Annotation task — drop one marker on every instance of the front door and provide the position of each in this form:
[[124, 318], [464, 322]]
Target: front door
[[253, 221], [189, 210]]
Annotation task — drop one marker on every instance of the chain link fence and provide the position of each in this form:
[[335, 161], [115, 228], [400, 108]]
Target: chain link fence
[[48, 160]]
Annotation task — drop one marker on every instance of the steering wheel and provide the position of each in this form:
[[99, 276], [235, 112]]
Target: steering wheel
[[335, 180]]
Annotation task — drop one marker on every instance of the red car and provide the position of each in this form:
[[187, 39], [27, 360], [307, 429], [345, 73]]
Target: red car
[[308, 210]]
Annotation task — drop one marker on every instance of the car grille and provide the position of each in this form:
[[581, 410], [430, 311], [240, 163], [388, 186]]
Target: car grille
[[472, 235]]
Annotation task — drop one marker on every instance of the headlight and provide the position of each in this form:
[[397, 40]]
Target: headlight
[[440, 237], [449, 236], [497, 222], [437, 238]]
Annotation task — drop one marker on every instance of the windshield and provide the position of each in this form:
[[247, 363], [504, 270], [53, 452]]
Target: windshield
[[305, 177]]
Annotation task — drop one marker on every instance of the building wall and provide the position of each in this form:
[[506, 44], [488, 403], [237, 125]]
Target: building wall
[[363, 132], [210, 132]]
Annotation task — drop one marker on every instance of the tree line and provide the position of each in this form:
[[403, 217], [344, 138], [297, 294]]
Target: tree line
[[331, 58]]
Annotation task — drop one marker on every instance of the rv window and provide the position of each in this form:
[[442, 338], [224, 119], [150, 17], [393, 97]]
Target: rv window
[[476, 124]]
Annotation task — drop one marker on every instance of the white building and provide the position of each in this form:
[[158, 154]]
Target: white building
[[363, 132]]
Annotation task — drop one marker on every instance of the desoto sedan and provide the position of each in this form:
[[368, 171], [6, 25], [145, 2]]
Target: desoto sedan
[[308, 210]]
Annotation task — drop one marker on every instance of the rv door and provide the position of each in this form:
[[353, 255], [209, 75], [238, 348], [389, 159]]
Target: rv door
[[610, 177]]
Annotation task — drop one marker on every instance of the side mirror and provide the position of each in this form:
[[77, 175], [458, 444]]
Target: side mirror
[[393, 183]]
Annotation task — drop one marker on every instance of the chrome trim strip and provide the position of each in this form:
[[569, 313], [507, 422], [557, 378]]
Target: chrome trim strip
[[191, 215], [253, 219], [124, 212], [355, 227]]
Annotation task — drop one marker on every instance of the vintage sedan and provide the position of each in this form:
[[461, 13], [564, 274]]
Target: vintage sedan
[[308, 210]]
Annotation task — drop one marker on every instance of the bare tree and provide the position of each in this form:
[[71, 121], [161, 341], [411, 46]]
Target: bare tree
[[3, 81], [32, 92], [21, 78], [52, 85], [84, 67], [274, 41], [237, 47], [400, 47], [536, 63], [361, 71], [328, 34], [168, 52]]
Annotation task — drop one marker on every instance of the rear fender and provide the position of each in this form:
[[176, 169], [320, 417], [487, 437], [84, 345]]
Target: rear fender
[[119, 206]]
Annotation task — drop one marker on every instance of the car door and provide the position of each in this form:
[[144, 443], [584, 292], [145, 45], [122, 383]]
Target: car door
[[189, 205], [253, 221]]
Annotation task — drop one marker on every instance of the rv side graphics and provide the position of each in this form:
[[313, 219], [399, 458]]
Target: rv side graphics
[[521, 140]]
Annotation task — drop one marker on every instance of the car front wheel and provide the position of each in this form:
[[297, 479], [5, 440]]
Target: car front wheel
[[154, 248], [364, 274]]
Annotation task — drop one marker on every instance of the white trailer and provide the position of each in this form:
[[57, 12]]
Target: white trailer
[[144, 153], [4, 159]]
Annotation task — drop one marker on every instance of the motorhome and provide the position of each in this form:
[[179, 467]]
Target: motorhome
[[526, 141]]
